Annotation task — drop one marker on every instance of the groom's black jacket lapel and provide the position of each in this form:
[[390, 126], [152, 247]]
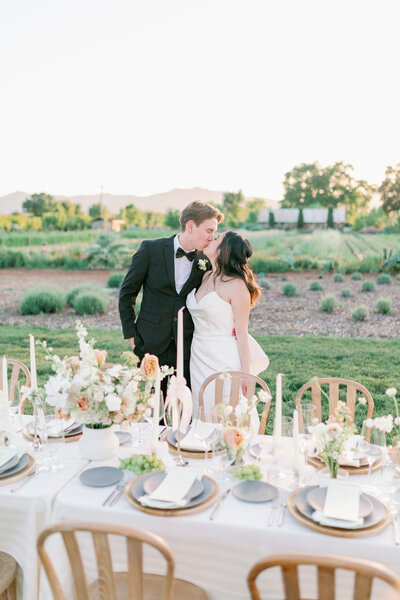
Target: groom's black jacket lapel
[[170, 260]]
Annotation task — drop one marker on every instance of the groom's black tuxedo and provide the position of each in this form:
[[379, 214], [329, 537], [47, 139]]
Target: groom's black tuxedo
[[156, 326]]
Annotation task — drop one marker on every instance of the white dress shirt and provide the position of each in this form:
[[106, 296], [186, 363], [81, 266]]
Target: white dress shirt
[[183, 267]]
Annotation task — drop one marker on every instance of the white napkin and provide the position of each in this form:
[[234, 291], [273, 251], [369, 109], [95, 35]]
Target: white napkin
[[329, 522], [6, 454], [172, 490], [191, 442]]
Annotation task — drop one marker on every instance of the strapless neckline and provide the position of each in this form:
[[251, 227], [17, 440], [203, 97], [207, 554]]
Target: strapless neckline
[[209, 294]]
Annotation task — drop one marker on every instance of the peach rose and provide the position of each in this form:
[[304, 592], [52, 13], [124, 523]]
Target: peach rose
[[100, 356], [59, 414], [74, 363], [149, 365], [233, 436], [82, 403]]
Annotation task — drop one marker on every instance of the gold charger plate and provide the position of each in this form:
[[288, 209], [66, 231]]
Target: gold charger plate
[[67, 439], [27, 470], [172, 512], [318, 464], [335, 531]]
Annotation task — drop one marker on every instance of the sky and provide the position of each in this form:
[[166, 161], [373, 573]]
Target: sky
[[144, 96]]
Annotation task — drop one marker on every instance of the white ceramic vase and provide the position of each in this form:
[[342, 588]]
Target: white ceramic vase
[[98, 444]]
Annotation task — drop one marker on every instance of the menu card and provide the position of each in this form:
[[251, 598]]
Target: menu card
[[342, 501]]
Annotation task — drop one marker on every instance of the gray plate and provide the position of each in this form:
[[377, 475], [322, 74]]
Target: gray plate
[[151, 484], [77, 428], [10, 463], [23, 461], [171, 437], [138, 490], [101, 476], [316, 499], [255, 491], [302, 505], [123, 436]]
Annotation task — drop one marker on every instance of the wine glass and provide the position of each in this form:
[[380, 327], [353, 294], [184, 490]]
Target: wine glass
[[152, 408], [307, 415], [373, 444], [206, 431]]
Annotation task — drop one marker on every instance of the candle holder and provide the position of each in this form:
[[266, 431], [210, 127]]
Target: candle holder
[[180, 461]]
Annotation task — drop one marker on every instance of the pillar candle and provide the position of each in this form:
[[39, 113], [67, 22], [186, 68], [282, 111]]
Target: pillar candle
[[296, 437], [179, 344], [33, 362], [278, 406], [4, 381], [156, 408], [5, 413]]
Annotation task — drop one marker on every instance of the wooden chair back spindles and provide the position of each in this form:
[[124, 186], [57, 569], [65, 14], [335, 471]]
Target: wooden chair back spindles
[[235, 379], [8, 574], [334, 382], [113, 585], [18, 370], [326, 565]]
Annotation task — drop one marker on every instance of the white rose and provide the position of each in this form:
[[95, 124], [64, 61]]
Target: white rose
[[113, 402], [397, 421], [362, 400], [391, 392]]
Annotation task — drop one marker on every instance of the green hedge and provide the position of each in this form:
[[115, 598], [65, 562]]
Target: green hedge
[[42, 300]]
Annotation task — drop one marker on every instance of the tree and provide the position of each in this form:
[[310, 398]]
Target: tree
[[98, 210], [172, 219], [38, 204], [107, 253], [231, 207], [132, 215], [390, 190], [330, 222], [300, 219], [271, 219]]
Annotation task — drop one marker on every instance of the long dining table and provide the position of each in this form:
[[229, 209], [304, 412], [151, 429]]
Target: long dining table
[[215, 554]]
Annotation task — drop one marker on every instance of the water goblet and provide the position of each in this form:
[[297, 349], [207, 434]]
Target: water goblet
[[373, 445], [205, 430]]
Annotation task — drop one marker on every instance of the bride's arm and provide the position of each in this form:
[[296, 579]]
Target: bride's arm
[[240, 301]]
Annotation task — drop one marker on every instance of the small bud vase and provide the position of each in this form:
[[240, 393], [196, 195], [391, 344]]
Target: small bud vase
[[98, 444]]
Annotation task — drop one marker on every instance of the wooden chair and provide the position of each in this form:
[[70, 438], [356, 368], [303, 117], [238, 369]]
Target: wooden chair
[[18, 369], [235, 381], [130, 585], [8, 574], [334, 382], [365, 572]]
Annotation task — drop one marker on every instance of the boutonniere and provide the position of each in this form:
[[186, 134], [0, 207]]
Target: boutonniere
[[202, 264]]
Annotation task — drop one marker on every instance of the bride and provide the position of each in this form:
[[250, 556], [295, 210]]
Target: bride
[[220, 305]]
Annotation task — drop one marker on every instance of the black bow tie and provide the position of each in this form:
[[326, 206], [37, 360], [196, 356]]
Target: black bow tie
[[189, 255]]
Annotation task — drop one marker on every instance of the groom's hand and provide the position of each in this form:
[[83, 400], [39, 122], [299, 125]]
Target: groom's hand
[[132, 343]]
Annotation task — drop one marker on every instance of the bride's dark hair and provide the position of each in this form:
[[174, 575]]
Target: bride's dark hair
[[233, 254]]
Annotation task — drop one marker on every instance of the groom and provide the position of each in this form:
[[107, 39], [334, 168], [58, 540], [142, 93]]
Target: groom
[[168, 269]]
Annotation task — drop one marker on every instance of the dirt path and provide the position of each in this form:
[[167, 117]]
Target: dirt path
[[276, 314]]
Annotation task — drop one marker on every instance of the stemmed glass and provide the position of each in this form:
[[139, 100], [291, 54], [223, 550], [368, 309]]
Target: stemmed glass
[[373, 445], [206, 431]]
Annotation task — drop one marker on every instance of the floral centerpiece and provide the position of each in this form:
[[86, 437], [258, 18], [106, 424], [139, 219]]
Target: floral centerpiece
[[328, 440]]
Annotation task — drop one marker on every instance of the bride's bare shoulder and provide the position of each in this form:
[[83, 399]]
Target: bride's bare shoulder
[[236, 286]]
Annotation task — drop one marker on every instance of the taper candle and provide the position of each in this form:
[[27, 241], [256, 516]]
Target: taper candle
[[4, 383], [278, 406], [156, 407], [179, 344], [33, 362]]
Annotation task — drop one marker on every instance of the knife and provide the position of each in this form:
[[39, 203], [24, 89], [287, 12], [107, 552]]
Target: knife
[[396, 529], [216, 507]]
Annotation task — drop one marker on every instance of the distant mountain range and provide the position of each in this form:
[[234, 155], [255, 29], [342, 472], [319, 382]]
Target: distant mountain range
[[176, 199]]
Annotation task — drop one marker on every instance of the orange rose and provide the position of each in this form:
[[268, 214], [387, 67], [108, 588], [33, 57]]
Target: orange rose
[[233, 436], [149, 365], [100, 356], [83, 403]]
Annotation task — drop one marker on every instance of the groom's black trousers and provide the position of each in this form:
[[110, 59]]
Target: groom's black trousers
[[168, 357]]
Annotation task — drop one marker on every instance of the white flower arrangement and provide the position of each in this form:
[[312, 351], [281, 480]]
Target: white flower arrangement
[[202, 264]]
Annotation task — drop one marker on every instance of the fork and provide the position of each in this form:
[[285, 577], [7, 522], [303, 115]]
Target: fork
[[283, 505], [272, 511]]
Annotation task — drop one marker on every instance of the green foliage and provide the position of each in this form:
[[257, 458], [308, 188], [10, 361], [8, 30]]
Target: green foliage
[[108, 253], [39, 204], [306, 263], [356, 276], [260, 262], [328, 303], [316, 286], [271, 219], [172, 219], [330, 222], [360, 313], [368, 286], [375, 218], [384, 278], [392, 263], [232, 207], [346, 293], [42, 300], [72, 294], [132, 215], [99, 210], [90, 303], [338, 278], [290, 289], [300, 219], [390, 189], [115, 280], [10, 259], [383, 306]]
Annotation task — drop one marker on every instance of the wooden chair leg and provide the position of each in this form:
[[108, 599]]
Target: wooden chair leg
[[11, 592]]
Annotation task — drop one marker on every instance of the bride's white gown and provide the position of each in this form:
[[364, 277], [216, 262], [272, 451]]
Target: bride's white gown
[[214, 348]]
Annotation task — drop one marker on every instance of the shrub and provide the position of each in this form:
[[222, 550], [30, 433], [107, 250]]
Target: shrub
[[368, 286], [338, 277], [356, 276], [290, 289], [260, 262], [115, 280], [89, 303], [79, 290], [264, 284], [316, 286], [271, 219], [42, 300], [328, 304], [384, 278], [360, 313], [306, 262], [10, 259], [300, 219], [346, 293], [383, 306]]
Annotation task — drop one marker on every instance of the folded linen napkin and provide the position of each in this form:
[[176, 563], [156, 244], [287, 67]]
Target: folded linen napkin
[[191, 442], [6, 454], [172, 490], [329, 522]]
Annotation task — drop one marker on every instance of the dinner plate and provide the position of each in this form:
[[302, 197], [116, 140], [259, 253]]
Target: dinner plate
[[316, 499], [101, 476], [303, 506], [255, 491], [137, 490], [171, 438], [73, 430], [153, 482], [123, 436], [21, 464], [10, 463]]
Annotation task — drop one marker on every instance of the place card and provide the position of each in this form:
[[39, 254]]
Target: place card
[[342, 501]]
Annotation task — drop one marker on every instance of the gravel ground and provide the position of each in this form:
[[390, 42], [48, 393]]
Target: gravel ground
[[276, 314]]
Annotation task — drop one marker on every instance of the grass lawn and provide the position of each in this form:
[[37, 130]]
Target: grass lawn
[[374, 363]]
